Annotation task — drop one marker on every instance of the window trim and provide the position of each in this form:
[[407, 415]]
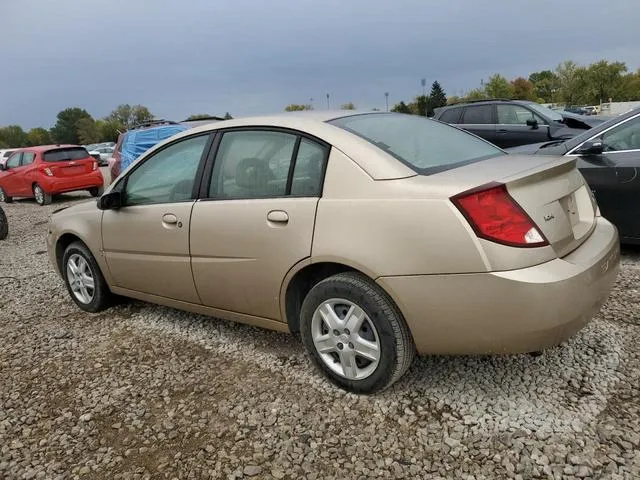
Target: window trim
[[207, 175], [600, 134], [121, 185]]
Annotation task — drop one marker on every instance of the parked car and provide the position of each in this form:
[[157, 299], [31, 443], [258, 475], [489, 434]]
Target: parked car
[[374, 235], [102, 154], [509, 123], [134, 142], [576, 110], [41, 172], [4, 225], [609, 158], [4, 155]]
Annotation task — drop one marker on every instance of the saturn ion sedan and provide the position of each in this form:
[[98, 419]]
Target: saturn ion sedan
[[375, 236]]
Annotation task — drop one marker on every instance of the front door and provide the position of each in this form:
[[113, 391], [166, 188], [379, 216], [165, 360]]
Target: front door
[[11, 180], [517, 125], [257, 219], [146, 241]]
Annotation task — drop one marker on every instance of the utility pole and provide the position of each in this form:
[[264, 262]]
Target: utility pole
[[386, 98]]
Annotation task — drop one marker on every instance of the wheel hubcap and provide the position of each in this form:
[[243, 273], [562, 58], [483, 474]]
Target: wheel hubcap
[[345, 338], [1, 195], [39, 195], [80, 278]]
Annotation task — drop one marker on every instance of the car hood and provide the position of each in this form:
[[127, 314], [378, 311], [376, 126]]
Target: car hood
[[581, 122], [78, 208]]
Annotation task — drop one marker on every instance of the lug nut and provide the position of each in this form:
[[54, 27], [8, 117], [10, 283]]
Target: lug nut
[[346, 330], [340, 346], [336, 333], [350, 345]]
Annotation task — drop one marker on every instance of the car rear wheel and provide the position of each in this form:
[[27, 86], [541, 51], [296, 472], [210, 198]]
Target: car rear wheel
[[4, 197], [4, 225], [355, 333], [84, 280], [96, 191], [42, 198]]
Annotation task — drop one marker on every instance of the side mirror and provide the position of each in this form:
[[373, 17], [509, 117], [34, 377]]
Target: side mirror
[[110, 201], [591, 147], [533, 123]]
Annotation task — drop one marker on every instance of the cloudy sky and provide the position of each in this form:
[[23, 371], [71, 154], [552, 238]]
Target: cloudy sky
[[251, 56]]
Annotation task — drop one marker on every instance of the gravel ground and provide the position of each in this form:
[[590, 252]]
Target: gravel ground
[[142, 391]]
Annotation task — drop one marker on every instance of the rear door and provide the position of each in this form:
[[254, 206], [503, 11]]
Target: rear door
[[512, 129], [26, 177], [480, 120], [256, 219]]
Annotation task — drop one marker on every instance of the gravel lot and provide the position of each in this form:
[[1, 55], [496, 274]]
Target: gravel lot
[[142, 391]]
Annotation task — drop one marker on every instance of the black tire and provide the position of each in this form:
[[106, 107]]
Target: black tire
[[396, 347], [4, 197], [102, 297], [96, 191], [42, 198], [4, 225]]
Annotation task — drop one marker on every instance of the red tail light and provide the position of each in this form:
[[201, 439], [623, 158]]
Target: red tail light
[[95, 165], [494, 215], [48, 172]]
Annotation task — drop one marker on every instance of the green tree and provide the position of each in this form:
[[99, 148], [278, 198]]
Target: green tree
[[629, 88], [498, 87], [297, 108], [13, 136], [198, 116], [603, 80], [88, 131], [38, 136], [570, 82], [109, 130], [522, 89], [401, 108], [227, 116], [454, 99], [419, 105], [545, 84], [347, 106], [130, 115], [437, 97], [66, 128], [476, 94]]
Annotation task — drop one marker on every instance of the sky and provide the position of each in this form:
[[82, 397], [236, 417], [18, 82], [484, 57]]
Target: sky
[[253, 57]]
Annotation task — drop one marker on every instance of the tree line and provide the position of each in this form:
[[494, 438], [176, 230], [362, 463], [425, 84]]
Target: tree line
[[76, 126]]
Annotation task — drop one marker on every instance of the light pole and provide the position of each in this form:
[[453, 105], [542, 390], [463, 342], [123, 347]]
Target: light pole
[[328, 107], [386, 98], [311, 102], [423, 82]]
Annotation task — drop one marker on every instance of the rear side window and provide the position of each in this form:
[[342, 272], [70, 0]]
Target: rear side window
[[478, 115], [450, 116], [65, 154], [425, 145], [27, 158]]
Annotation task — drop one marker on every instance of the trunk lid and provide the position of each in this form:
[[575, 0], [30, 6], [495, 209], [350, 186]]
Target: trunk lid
[[549, 189]]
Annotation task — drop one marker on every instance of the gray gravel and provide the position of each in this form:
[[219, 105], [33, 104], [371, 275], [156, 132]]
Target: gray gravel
[[142, 391]]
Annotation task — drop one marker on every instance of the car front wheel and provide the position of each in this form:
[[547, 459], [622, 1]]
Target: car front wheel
[[355, 333], [42, 198], [4, 225], [84, 280]]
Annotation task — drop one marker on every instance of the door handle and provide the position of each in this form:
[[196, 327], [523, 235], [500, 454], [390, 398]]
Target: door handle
[[278, 216], [502, 130], [170, 218]]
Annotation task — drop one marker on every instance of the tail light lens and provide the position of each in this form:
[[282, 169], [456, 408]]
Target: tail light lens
[[48, 172], [494, 215], [95, 165]]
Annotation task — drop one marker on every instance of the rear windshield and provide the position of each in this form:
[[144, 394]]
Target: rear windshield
[[63, 154], [425, 145]]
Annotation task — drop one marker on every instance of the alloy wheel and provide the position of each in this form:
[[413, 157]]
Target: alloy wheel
[[345, 338], [80, 278], [39, 194]]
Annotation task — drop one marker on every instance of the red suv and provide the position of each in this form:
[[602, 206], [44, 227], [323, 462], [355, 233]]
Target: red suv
[[41, 172]]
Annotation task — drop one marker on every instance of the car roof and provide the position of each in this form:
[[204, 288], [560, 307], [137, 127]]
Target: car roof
[[44, 148]]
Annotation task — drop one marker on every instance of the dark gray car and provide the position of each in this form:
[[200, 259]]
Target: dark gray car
[[608, 157], [509, 123]]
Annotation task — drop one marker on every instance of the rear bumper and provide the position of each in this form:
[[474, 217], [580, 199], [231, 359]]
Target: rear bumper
[[513, 311], [54, 185]]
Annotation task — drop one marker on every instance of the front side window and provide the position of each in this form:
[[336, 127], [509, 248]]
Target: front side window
[[423, 144], [624, 137], [252, 164], [516, 115], [167, 176], [27, 158], [14, 160], [478, 115]]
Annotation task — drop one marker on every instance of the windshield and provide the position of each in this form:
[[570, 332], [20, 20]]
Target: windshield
[[547, 112], [425, 145], [64, 154]]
